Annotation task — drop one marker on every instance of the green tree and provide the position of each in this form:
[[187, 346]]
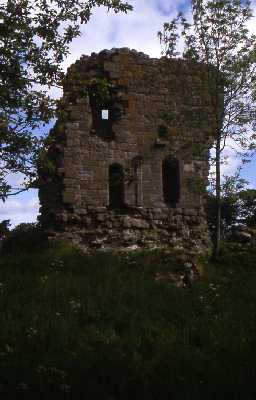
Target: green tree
[[4, 228], [34, 40], [237, 207], [231, 188], [247, 207], [219, 37]]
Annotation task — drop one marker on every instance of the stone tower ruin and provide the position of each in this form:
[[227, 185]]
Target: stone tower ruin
[[127, 161]]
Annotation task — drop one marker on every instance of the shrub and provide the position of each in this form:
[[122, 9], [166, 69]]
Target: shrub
[[27, 237]]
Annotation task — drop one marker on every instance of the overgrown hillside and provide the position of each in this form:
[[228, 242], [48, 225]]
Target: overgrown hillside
[[112, 326]]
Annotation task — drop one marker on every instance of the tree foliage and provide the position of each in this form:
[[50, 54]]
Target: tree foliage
[[231, 207], [247, 207], [237, 209], [218, 36], [4, 228], [34, 40]]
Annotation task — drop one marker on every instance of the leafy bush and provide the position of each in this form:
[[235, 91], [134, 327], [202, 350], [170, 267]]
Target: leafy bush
[[4, 228], [25, 237]]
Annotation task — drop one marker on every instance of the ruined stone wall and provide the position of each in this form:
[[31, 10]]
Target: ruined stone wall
[[157, 109]]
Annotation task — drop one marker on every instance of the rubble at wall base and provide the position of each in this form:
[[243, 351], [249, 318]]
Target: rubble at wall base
[[181, 230]]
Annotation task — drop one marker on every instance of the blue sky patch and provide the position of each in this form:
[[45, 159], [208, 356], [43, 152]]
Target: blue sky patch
[[166, 7]]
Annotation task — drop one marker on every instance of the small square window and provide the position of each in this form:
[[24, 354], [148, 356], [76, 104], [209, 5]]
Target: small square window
[[104, 114]]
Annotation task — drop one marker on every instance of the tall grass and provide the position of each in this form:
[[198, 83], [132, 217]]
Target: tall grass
[[102, 326]]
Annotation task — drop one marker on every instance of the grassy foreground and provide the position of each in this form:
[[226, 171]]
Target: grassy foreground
[[105, 326]]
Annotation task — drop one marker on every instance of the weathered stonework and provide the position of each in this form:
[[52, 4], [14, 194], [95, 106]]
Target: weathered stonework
[[153, 138]]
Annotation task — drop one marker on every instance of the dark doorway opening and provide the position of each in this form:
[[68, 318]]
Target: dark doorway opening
[[171, 181], [116, 186]]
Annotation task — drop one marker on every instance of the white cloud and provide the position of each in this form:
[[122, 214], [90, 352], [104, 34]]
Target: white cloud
[[231, 163], [23, 208], [16, 180], [19, 206], [136, 29]]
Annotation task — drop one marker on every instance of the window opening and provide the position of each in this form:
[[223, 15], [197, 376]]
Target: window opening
[[171, 181], [105, 114], [162, 132], [102, 116], [116, 186]]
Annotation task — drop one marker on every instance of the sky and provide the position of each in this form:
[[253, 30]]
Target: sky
[[105, 30]]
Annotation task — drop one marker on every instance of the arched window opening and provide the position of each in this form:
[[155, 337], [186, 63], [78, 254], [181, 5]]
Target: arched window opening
[[116, 186], [171, 181]]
